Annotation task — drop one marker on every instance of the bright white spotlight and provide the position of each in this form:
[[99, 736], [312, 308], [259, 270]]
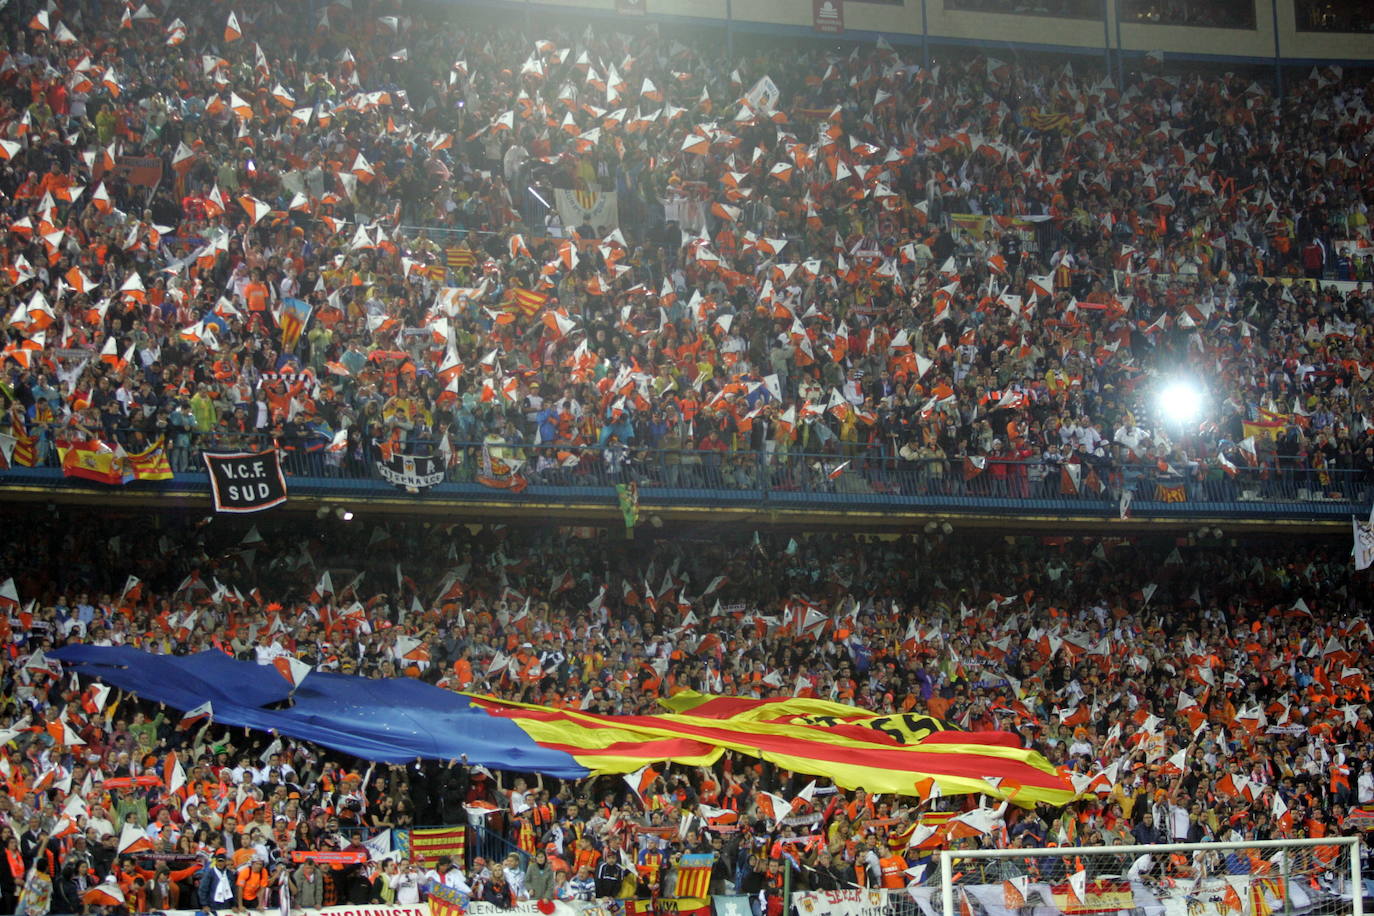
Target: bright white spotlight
[[1181, 402]]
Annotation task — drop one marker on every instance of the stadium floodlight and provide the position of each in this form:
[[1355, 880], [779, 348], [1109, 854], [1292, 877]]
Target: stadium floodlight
[[1181, 401]]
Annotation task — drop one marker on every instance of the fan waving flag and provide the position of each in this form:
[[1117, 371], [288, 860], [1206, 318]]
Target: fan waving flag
[[109, 893], [641, 780], [458, 258], [151, 463], [527, 302], [295, 315], [93, 460], [293, 669], [174, 773], [203, 711], [132, 839], [1364, 542], [255, 208]]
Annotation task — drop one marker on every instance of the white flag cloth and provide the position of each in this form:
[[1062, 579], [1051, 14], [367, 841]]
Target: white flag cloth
[[1364, 543]]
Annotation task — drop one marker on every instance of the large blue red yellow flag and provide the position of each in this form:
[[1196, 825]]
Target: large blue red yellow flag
[[397, 720], [850, 746]]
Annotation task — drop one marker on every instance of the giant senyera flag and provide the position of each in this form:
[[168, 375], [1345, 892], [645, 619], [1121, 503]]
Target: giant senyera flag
[[399, 719]]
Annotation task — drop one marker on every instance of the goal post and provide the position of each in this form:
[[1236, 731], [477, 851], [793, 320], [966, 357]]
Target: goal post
[[1320, 877]]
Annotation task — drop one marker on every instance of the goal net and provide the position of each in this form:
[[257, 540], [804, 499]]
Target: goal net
[[1258, 878]]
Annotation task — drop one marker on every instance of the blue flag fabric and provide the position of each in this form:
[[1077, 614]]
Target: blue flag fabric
[[392, 720]]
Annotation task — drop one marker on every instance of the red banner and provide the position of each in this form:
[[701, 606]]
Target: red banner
[[330, 857]]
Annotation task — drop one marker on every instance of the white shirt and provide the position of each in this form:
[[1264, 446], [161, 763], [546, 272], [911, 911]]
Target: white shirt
[[1178, 822], [1364, 787], [453, 880], [407, 887]]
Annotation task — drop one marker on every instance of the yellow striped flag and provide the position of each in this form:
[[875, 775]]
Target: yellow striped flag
[[445, 901], [527, 301], [19, 451], [151, 463], [1170, 493], [459, 258], [427, 844], [295, 315], [694, 875], [881, 753]]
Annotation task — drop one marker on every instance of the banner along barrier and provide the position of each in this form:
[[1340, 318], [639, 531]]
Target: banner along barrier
[[477, 907]]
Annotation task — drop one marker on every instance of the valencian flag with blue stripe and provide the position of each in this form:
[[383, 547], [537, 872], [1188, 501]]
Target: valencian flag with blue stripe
[[362, 716], [445, 901], [294, 316], [151, 463], [694, 875]]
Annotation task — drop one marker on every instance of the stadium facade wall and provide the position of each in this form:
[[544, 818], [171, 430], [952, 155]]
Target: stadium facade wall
[[1275, 37]]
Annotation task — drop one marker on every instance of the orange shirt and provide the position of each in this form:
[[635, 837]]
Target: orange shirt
[[587, 857], [255, 294], [250, 882]]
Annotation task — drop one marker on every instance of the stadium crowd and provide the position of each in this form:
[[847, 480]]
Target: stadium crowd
[[346, 249], [1184, 685]]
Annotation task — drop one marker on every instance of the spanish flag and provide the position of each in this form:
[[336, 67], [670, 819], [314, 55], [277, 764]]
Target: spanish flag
[[92, 460]]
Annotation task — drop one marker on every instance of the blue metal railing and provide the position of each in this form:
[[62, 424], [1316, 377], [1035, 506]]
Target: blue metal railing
[[870, 477], [493, 846]]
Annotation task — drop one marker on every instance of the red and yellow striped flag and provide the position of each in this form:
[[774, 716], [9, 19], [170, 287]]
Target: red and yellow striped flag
[[458, 258], [25, 453], [694, 875], [881, 753], [151, 463], [427, 844], [527, 302]]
